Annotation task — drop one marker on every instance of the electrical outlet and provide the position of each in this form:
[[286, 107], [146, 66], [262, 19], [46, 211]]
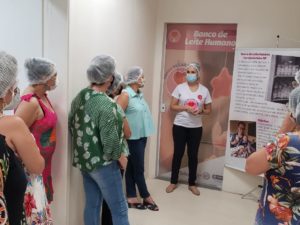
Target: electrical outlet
[[162, 107]]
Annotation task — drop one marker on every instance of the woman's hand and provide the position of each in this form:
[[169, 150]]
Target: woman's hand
[[123, 161], [197, 111], [189, 109]]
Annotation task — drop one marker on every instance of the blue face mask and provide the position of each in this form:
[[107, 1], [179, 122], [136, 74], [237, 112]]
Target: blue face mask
[[191, 77]]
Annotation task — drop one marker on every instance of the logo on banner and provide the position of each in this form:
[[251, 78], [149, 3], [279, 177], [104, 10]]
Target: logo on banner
[[205, 175], [174, 36], [174, 76]]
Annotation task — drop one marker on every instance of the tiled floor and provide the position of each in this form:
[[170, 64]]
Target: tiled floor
[[181, 207]]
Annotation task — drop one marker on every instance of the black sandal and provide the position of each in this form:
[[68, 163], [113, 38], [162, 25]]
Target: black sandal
[[136, 206], [151, 206]]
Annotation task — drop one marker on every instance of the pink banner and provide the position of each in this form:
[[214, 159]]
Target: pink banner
[[212, 46]]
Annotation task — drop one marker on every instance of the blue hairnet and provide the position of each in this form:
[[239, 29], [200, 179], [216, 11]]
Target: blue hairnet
[[39, 70], [118, 80], [101, 68], [294, 103], [8, 72], [133, 74]]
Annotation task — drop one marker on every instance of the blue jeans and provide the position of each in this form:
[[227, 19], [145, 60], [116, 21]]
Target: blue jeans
[[134, 174], [104, 183]]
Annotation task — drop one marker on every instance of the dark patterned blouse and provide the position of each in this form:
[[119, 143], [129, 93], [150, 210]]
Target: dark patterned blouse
[[280, 200], [12, 186]]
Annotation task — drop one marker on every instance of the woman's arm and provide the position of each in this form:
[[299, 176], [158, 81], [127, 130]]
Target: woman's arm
[[288, 124], [126, 128], [123, 100], [206, 109], [25, 146], [179, 108], [28, 111], [257, 163]]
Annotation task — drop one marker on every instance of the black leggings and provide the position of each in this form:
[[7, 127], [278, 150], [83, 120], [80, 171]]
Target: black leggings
[[191, 137]]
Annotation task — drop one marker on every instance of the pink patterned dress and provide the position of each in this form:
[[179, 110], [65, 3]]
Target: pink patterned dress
[[44, 131]]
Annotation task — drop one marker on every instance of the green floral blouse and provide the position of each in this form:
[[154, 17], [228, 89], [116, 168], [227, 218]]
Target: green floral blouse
[[96, 127]]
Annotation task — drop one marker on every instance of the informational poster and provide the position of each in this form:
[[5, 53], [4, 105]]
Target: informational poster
[[262, 81], [212, 46]]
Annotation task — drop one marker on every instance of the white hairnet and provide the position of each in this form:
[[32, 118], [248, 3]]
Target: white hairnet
[[8, 72], [294, 103], [297, 76], [39, 70], [118, 80], [101, 68], [133, 74], [196, 66]]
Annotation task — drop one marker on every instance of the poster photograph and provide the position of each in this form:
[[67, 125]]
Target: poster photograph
[[242, 138], [282, 77]]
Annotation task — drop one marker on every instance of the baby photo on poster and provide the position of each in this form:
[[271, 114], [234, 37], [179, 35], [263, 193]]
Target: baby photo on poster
[[242, 138]]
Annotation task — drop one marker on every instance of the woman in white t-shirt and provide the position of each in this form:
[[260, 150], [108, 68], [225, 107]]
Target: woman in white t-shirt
[[190, 100]]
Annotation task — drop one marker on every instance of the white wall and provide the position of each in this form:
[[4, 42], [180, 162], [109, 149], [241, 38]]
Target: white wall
[[258, 24], [56, 48], [123, 29], [40, 29], [21, 31]]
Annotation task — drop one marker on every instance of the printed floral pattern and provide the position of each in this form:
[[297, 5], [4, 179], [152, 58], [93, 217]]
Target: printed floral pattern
[[36, 206], [96, 126], [4, 165], [280, 199]]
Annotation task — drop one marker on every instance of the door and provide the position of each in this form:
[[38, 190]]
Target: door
[[212, 46]]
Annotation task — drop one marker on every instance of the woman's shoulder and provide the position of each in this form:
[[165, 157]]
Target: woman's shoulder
[[290, 136], [30, 98], [11, 125], [101, 102], [12, 121], [124, 96], [125, 91], [182, 85]]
